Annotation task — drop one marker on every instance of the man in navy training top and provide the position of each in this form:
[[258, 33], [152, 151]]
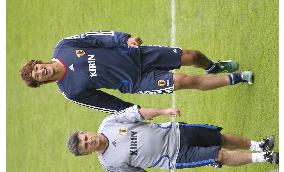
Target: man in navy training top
[[125, 143], [82, 64]]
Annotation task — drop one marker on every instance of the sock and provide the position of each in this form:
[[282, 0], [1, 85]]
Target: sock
[[212, 68], [257, 157], [235, 78], [254, 146]]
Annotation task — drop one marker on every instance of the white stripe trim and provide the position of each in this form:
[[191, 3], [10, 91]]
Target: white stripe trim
[[110, 111], [171, 46], [233, 80], [160, 91]]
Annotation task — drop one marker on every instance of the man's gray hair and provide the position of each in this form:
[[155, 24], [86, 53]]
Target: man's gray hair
[[73, 143]]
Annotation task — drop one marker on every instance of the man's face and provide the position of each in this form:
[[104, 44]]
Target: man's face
[[42, 72], [89, 142]]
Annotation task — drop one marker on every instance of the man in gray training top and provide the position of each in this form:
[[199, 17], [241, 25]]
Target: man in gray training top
[[124, 143]]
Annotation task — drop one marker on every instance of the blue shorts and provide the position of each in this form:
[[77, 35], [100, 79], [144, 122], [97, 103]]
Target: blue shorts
[[199, 145], [156, 62]]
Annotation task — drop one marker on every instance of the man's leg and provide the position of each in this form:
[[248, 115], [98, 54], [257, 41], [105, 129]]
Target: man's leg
[[231, 141], [237, 158], [210, 81], [204, 82], [199, 60], [234, 158], [194, 58]]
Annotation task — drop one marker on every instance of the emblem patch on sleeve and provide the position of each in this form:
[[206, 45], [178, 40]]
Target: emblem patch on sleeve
[[80, 53], [161, 83], [122, 130]]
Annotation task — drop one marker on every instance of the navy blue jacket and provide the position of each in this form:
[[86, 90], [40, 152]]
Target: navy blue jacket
[[95, 60]]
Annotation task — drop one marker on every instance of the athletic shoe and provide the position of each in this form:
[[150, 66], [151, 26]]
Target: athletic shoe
[[272, 157], [267, 144], [228, 66], [247, 76]]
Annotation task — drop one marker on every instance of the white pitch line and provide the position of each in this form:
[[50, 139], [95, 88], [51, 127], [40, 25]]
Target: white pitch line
[[173, 40]]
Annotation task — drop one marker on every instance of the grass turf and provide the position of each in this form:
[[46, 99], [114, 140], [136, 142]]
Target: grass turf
[[39, 120]]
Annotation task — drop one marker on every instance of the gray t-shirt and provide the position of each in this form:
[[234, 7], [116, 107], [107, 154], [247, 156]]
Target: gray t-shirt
[[134, 144]]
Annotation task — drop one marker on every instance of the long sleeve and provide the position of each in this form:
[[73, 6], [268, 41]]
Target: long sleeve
[[124, 169], [101, 101]]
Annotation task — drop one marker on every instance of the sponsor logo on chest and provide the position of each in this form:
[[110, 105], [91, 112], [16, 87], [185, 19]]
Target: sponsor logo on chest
[[92, 65], [133, 143]]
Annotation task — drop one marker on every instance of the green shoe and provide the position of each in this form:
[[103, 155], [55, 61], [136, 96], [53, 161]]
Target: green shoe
[[228, 66], [247, 76]]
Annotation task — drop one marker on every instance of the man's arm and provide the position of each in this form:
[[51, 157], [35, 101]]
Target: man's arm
[[149, 113], [105, 39], [124, 169], [101, 101], [135, 114]]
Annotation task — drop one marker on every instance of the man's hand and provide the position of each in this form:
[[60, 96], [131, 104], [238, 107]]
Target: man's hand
[[172, 112], [150, 113], [134, 42]]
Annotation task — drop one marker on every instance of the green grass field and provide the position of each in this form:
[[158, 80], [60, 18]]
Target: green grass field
[[39, 120]]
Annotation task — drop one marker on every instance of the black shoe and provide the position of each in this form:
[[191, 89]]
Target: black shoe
[[267, 144], [272, 157]]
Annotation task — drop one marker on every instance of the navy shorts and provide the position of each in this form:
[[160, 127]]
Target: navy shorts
[[156, 62], [199, 145]]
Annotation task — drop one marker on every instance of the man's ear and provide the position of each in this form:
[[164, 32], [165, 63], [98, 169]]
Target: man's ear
[[46, 82]]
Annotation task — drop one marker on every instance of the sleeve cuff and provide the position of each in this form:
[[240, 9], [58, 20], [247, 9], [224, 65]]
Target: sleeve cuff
[[138, 107]]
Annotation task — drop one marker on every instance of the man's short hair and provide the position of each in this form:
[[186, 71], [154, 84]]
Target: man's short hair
[[26, 73], [73, 143]]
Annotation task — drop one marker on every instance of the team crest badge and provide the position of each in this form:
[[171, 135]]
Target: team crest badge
[[161, 83], [80, 53], [122, 130]]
